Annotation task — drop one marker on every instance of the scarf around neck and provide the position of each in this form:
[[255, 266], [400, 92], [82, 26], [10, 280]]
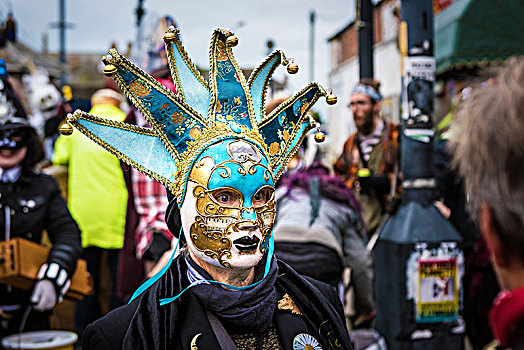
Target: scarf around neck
[[240, 311]]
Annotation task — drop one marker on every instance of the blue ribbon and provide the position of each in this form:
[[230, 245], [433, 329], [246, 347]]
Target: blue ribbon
[[159, 274]]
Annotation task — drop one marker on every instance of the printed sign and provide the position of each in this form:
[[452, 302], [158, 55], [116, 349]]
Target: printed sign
[[418, 87], [438, 299], [433, 281]]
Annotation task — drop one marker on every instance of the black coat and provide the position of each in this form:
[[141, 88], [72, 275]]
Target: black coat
[[144, 324], [34, 203]]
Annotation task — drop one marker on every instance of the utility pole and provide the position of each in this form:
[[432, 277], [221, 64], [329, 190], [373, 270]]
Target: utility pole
[[62, 25], [418, 262], [140, 12], [365, 38], [312, 16], [62, 29]]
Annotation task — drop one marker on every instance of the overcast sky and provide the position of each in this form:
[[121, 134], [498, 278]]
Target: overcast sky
[[100, 22]]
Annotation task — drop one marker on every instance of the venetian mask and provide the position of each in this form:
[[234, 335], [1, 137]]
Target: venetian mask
[[229, 206]]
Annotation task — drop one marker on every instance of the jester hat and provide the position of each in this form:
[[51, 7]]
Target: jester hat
[[201, 113]]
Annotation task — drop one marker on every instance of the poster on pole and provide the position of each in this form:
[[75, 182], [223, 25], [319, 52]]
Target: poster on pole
[[438, 299], [433, 281], [418, 87]]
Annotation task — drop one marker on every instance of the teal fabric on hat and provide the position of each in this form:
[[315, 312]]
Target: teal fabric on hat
[[122, 139], [229, 81], [259, 81], [190, 82], [168, 117]]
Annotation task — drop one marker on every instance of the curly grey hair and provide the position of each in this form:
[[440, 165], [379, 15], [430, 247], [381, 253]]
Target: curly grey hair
[[487, 144]]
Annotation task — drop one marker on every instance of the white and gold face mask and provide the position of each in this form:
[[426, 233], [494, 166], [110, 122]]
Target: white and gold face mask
[[229, 207]]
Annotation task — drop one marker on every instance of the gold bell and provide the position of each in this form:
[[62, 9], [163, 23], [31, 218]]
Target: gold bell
[[66, 129], [292, 68], [231, 41], [331, 99], [110, 69], [320, 136], [169, 37]]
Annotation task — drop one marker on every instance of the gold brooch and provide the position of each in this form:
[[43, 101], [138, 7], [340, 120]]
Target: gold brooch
[[286, 303]]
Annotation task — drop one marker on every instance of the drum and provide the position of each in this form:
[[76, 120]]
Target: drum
[[56, 340]]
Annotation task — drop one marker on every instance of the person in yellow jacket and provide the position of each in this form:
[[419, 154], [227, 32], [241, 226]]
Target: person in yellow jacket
[[97, 199]]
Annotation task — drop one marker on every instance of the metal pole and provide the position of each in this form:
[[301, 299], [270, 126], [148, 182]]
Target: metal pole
[[62, 37], [365, 38], [62, 29], [312, 16], [418, 248], [140, 12]]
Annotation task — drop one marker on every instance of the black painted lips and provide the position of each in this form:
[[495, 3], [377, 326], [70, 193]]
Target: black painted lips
[[246, 243]]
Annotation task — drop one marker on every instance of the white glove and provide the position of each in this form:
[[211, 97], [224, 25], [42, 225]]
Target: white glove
[[51, 278], [44, 295]]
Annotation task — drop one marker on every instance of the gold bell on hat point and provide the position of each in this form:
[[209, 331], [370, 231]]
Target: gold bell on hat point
[[320, 136], [292, 68], [66, 129], [169, 37], [110, 69], [231, 41], [331, 99]]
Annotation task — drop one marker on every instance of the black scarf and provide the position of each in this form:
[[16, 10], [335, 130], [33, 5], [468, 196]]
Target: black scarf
[[151, 326], [241, 311]]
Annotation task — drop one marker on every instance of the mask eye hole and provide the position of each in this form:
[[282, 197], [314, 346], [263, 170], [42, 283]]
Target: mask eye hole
[[263, 195], [228, 198]]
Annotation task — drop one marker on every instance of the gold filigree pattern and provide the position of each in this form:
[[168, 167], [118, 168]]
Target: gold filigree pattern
[[139, 88], [209, 136], [212, 227]]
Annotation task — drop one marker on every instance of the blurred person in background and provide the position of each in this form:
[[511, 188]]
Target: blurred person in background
[[488, 151], [147, 236], [319, 229], [31, 203], [479, 281], [369, 163], [97, 199]]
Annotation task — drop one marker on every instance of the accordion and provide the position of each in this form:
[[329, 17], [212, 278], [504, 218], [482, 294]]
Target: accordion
[[20, 261]]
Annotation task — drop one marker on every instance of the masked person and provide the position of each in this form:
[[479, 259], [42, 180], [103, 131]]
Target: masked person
[[30, 203], [369, 159], [219, 154]]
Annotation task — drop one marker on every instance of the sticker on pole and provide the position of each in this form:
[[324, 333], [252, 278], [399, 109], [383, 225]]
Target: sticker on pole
[[418, 88], [438, 290], [434, 282]]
